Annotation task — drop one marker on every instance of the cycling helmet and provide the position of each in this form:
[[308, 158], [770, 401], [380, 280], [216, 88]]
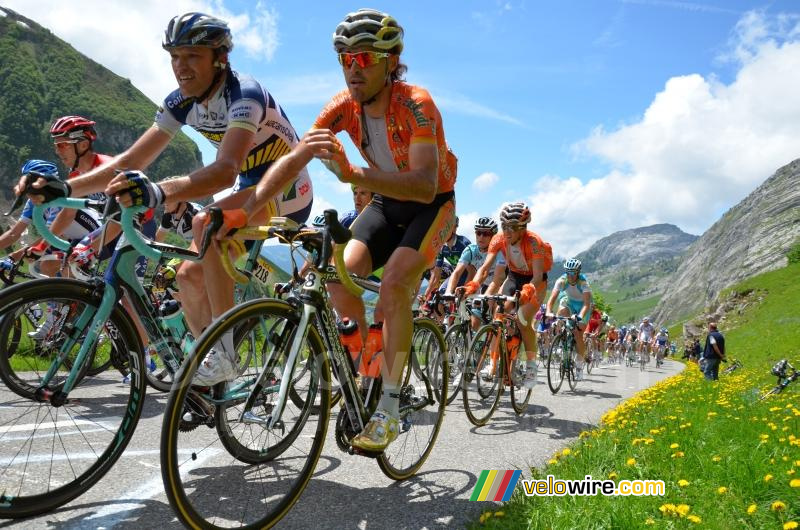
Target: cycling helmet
[[604, 318], [369, 27], [41, 167], [646, 319], [664, 330], [486, 223], [74, 128], [515, 213], [197, 29], [572, 264], [319, 220]]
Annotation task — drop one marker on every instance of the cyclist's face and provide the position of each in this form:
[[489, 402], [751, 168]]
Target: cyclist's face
[[513, 233], [361, 197], [65, 150], [365, 83], [572, 277], [194, 69]]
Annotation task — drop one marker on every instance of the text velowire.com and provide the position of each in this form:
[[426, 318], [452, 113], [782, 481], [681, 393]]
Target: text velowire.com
[[551, 486]]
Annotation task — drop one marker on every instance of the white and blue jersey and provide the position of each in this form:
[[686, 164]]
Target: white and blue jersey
[[85, 220], [571, 295], [242, 102]]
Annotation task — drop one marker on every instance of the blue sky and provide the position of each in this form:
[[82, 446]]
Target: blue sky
[[603, 115]]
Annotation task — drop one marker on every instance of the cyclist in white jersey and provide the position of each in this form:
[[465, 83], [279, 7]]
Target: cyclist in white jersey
[[238, 116], [646, 333], [574, 298]]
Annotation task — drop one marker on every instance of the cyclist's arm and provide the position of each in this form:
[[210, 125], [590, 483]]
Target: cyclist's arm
[[218, 175], [13, 234], [460, 269], [480, 276], [62, 221], [433, 282], [587, 304], [138, 156], [498, 277], [552, 300]]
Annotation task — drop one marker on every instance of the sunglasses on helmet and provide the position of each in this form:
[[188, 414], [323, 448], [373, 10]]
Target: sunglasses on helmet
[[363, 59]]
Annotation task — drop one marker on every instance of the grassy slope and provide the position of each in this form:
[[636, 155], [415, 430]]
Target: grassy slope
[[725, 439]]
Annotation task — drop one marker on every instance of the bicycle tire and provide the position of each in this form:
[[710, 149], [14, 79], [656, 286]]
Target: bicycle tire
[[423, 398], [572, 363], [480, 401], [456, 342], [555, 364], [214, 477], [104, 417], [520, 395]]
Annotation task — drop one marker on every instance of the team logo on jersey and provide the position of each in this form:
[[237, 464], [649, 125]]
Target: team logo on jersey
[[416, 110]]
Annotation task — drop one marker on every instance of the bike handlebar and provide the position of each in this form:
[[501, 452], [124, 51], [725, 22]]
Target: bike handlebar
[[334, 238], [63, 202]]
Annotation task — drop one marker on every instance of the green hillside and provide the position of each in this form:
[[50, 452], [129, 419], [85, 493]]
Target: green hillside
[[43, 77], [727, 459]]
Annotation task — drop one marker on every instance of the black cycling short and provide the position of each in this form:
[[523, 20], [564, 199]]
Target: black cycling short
[[514, 282], [387, 224]]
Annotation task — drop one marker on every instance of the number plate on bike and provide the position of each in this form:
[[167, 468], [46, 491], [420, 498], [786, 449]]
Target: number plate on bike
[[261, 270]]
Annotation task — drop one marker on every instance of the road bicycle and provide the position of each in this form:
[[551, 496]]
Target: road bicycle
[[563, 356], [61, 429], [735, 365], [253, 453], [495, 363]]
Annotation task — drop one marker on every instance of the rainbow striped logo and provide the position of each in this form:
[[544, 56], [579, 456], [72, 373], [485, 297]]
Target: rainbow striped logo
[[495, 485]]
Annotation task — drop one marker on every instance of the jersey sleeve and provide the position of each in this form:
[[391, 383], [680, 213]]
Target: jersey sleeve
[[336, 115], [425, 117], [165, 121], [245, 114], [497, 244], [466, 256], [27, 213]]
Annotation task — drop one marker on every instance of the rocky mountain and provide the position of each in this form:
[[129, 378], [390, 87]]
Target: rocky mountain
[[42, 77], [752, 237], [629, 268]]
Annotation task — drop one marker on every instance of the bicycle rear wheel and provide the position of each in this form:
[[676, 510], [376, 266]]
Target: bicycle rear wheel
[[59, 447], [456, 342], [555, 364], [244, 473], [481, 393], [423, 397]]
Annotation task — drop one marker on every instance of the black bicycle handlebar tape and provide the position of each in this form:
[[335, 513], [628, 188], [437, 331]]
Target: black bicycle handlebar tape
[[339, 234], [214, 224]]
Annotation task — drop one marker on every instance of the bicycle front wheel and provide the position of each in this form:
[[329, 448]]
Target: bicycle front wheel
[[456, 342], [520, 394], [56, 447], [423, 396], [247, 470], [481, 388], [555, 364]]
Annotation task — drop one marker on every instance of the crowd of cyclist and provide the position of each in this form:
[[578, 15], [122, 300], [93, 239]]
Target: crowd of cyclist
[[404, 226]]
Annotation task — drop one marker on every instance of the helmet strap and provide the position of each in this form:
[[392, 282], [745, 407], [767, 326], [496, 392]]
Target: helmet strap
[[222, 68], [78, 155]]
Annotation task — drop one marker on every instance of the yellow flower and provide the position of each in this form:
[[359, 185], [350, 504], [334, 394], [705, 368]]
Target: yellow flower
[[790, 525], [752, 509], [552, 461], [678, 454], [612, 475], [768, 477], [682, 509], [694, 519], [667, 509], [716, 458], [630, 462], [764, 436], [795, 483], [722, 489], [499, 514], [777, 506], [683, 483], [790, 472], [674, 446]]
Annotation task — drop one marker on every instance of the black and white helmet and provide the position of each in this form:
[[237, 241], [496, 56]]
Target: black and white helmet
[[369, 27], [486, 223], [572, 264], [197, 29], [515, 213]]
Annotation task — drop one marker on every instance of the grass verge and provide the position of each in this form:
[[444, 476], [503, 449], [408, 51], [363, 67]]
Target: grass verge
[[727, 459]]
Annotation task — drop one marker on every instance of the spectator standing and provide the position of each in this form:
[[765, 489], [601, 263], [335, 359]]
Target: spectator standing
[[714, 352]]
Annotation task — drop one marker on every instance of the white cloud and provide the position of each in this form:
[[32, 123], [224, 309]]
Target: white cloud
[[700, 147], [126, 36], [485, 181]]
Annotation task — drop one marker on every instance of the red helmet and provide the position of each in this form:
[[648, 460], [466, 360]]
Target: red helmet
[[74, 127]]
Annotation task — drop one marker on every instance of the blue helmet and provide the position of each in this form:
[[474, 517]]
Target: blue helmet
[[42, 167]]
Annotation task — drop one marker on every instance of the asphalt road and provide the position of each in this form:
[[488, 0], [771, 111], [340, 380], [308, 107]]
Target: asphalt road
[[350, 491]]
